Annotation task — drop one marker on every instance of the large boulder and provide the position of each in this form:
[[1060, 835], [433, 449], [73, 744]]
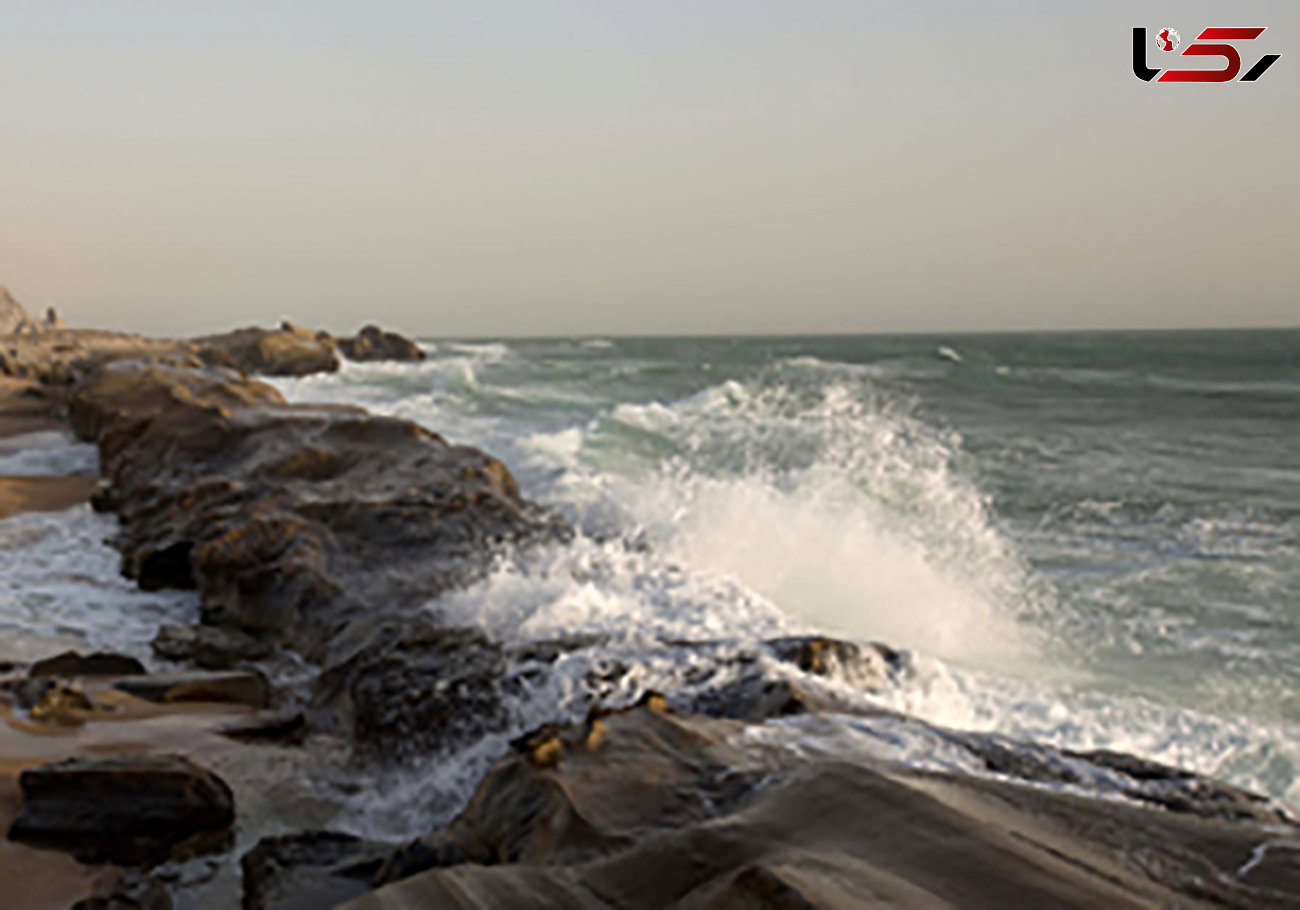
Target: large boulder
[[126, 809], [373, 343], [287, 351]]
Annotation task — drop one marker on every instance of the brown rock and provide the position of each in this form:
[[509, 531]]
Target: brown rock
[[242, 687], [373, 343], [100, 663], [128, 809], [271, 352]]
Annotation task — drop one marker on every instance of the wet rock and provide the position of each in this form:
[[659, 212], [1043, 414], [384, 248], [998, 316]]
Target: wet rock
[[210, 647], [373, 343], [411, 687], [291, 522], [241, 687], [755, 698], [133, 891], [281, 727], [863, 666], [314, 869], [100, 663], [271, 352], [62, 704], [129, 809], [663, 809]]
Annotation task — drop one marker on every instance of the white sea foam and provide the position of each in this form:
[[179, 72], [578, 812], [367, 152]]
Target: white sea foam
[[808, 495], [60, 581]]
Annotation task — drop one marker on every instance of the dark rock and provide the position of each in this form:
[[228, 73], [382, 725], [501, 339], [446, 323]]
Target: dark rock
[[863, 666], [133, 891], [242, 687], [271, 352], [281, 727], [128, 809], [411, 687], [755, 698], [373, 343], [62, 704], [210, 647], [314, 869], [292, 522], [70, 663], [25, 693], [645, 808]]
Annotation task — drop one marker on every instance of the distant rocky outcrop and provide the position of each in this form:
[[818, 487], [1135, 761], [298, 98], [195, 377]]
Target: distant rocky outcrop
[[286, 351], [373, 343], [15, 320]]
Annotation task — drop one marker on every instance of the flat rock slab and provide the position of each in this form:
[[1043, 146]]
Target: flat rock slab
[[127, 809], [242, 687], [101, 663]]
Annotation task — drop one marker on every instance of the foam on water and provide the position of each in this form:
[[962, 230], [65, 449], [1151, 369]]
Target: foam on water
[[59, 582], [805, 496]]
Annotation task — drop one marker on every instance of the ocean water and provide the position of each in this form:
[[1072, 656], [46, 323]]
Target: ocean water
[[1088, 540]]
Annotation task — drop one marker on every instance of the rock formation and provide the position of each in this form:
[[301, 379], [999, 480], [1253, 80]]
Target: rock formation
[[373, 343]]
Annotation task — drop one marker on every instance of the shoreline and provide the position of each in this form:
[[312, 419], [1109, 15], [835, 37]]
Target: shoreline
[[313, 535]]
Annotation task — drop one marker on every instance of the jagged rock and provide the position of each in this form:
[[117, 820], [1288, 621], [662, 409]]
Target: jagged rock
[[410, 686], [271, 352], [14, 318], [373, 343], [126, 809], [315, 869], [52, 322], [210, 647], [133, 891], [292, 522], [100, 663], [241, 687]]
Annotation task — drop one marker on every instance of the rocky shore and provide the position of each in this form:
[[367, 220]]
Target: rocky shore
[[318, 540]]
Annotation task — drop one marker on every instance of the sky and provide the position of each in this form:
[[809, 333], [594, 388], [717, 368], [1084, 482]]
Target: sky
[[534, 167]]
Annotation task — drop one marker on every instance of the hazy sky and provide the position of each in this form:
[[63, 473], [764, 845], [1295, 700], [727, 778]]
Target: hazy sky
[[531, 167]]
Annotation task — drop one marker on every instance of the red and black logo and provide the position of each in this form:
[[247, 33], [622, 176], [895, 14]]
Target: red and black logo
[[1167, 40]]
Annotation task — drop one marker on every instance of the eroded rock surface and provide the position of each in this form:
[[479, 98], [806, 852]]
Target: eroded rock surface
[[292, 522], [645, 809], [130, 809]]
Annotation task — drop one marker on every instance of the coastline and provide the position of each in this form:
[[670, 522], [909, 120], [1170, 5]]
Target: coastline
[[221, 485]]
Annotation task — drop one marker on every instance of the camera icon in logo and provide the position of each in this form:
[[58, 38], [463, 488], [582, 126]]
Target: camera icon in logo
[[1167, 39]]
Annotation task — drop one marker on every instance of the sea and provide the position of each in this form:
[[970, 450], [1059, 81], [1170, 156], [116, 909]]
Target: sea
[[1087, 540]]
